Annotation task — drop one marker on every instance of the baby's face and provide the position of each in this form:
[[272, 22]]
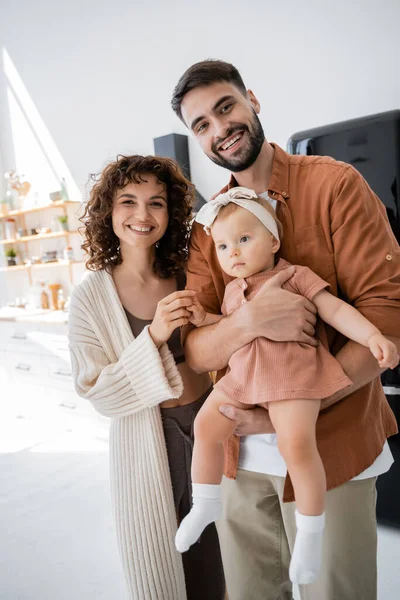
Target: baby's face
[[244, 245]]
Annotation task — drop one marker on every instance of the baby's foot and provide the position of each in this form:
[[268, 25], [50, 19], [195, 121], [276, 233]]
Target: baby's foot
[[206, 509], [306, 557]]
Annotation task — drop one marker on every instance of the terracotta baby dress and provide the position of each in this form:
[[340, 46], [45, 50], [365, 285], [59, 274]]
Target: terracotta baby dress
[[264, 370]]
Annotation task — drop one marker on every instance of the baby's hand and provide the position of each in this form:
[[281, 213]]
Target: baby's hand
[[384, 351], [198, 312]]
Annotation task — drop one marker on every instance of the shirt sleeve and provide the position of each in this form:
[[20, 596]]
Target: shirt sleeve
[[307, 283], [367, 255], [199, 276]]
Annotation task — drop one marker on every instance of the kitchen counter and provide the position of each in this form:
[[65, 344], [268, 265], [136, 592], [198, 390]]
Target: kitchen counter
[[24, 315]]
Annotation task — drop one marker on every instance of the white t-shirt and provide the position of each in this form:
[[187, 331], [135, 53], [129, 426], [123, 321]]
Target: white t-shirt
[[259, 453]]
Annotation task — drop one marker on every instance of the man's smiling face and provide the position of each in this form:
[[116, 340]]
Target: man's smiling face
[[225, 123]]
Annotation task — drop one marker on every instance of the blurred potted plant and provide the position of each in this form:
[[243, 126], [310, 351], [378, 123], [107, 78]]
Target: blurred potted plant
[[11, 256], [63, 220]]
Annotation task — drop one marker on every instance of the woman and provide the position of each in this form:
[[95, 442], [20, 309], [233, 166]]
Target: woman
[[128, 361]]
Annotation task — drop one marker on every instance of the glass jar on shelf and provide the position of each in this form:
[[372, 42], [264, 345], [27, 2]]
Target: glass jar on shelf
[[60, 299], [11, 196], [54, 288], [10, 229], [44, 297], [69, 253]]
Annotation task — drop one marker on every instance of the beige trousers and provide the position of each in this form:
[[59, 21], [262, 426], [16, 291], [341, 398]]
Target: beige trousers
[[258, 531]]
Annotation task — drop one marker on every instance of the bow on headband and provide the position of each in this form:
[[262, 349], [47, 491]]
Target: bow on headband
[[243, 197]]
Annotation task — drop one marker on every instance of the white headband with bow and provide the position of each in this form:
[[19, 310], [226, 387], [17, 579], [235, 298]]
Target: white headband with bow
[[242, 197]]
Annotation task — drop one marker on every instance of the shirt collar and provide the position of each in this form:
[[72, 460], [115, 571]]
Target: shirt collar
[[278, 187]]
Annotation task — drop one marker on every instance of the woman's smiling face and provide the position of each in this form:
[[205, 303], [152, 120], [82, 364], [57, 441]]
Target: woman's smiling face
[[140, 213]]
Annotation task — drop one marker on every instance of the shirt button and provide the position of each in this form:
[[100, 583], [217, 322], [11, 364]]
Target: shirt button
[[388, 257], [284, 194]]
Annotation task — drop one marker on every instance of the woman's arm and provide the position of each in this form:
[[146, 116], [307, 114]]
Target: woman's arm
[[143, 376]]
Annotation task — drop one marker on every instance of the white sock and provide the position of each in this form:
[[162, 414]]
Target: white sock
[[206, 508], [306, 557]]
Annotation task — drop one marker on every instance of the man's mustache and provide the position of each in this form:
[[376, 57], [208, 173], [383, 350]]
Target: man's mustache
[[228, 134]]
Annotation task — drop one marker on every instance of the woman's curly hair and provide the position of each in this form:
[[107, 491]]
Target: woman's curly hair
[[101, 243]]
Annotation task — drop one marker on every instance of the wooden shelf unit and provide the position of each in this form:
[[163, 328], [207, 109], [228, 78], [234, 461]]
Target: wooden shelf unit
[[14, 268], [54, 263], [40, 236], [57, 263], [17, 213]]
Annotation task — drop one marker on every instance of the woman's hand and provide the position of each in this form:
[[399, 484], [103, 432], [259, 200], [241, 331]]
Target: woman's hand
[[172, 312], [384, 351]]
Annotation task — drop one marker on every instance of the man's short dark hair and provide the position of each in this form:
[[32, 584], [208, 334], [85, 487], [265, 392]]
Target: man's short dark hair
[[205, 73]]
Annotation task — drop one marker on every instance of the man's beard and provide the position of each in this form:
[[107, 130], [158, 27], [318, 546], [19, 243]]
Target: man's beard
[[247, 156]]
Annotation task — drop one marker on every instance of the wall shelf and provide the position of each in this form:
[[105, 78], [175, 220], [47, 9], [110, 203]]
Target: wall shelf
[[15, 268], [56, 263], [20, 215], [39, 236], [16, 213]]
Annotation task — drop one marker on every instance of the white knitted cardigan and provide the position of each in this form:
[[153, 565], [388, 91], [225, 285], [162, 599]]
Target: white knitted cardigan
[[126, 378]]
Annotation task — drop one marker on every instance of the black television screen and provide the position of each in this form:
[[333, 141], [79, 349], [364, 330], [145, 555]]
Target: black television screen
[[371, 144]]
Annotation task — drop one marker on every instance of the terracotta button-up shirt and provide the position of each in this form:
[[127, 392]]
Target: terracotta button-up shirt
[[334, 224]]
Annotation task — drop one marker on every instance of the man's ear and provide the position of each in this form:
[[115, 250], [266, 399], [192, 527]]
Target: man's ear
[[253, 101]]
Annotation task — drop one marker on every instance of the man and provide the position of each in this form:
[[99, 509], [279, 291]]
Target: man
[[334, 224]]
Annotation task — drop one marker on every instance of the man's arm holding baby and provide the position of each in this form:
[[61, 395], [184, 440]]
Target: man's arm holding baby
[[367, 354], [274, 313], [359, 365], [367, 260]]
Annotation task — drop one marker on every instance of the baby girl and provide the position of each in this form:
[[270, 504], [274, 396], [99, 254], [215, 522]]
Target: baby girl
[[288, 379]]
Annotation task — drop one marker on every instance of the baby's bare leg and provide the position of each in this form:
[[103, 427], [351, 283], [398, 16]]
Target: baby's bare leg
[[211, 430], [294, 422]]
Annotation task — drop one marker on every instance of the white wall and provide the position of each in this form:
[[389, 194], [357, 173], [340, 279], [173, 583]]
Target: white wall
[[100, 74]]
